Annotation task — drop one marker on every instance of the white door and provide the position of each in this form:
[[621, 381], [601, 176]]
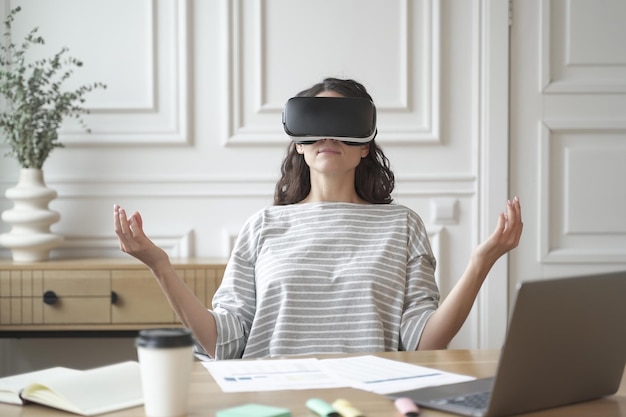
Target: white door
[[568, 136]]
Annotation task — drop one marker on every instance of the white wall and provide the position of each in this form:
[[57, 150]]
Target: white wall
[[189, 130]]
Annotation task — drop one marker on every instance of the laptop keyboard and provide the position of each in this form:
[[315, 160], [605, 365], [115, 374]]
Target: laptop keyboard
[[478, 400]]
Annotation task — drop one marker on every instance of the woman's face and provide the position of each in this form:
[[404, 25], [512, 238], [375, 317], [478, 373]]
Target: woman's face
[[330, 156]]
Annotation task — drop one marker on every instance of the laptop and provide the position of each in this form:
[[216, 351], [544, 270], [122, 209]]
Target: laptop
[[566, 343]]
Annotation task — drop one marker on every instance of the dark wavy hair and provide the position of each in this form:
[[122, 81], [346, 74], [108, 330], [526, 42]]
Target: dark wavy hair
[[374, 181]]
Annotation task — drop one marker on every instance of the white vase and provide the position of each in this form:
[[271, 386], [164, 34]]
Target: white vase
[[30, 239]]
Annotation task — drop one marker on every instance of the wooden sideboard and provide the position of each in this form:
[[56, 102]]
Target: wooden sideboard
[[94, 295]]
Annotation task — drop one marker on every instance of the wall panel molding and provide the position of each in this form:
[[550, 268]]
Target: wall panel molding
[[107, 246], [161, 115], [570, 59], [582, 217], [410, 117], [155, 186]]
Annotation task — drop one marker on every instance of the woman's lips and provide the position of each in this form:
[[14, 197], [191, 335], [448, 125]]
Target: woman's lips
[[327, 150]]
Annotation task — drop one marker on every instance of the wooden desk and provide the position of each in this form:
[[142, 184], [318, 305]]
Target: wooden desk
[[206, 397]]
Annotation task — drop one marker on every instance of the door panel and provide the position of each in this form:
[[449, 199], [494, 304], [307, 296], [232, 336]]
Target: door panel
[[568, 136]]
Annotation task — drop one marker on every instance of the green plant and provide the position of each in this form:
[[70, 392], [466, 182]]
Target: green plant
[[35, 103]]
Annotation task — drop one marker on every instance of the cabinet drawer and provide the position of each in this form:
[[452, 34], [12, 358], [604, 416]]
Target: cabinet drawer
[[55, 297], [77, 283], [139, 299], [75, 297], [78, 310], [99, 294]]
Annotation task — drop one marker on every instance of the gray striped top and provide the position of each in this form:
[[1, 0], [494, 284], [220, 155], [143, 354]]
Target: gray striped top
[[326, 278]]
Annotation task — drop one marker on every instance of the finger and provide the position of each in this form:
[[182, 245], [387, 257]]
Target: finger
[[502, 222], [117, 226], [139, 219], [510, 216], [512, 213], [515, 209], [515, 225], [135, 225], [119, 220], [500, 226], [123, 222]]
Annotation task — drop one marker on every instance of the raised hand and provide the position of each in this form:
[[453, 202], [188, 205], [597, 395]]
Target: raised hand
[[133, 241], [505, 237]]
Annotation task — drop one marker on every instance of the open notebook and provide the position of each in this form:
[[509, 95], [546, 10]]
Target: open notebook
[[566, 343], [90, 392]]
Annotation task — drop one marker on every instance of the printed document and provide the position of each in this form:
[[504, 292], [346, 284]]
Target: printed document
[[368, 373]]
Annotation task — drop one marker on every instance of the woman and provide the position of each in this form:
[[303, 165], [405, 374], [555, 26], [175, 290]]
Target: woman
[[332, 267]]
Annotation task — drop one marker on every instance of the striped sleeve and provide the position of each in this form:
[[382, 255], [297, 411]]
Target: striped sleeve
[[421, 292], [235, 300]]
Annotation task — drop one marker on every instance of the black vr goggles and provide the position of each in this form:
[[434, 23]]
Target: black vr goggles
[[351, 120]]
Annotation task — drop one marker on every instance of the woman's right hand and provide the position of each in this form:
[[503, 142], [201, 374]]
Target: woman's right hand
[[133, 241]]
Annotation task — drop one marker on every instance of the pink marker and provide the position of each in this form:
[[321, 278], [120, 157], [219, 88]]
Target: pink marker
[[406, 407]]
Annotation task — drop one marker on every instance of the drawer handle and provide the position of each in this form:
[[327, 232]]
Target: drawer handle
[[50, 298]]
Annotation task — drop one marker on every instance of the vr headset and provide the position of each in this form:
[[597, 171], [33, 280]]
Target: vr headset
[[351, 120]]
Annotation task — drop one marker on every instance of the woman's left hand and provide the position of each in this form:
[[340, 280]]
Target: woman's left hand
[[505, 237]]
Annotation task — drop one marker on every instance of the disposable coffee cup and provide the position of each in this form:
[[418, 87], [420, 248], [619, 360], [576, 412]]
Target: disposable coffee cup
[[165, 358]]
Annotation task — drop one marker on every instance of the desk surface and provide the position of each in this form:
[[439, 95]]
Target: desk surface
[[206, 397]]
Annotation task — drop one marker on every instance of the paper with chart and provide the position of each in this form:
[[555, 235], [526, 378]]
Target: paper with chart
[[369, 373], [384, 376], [270, 375]]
